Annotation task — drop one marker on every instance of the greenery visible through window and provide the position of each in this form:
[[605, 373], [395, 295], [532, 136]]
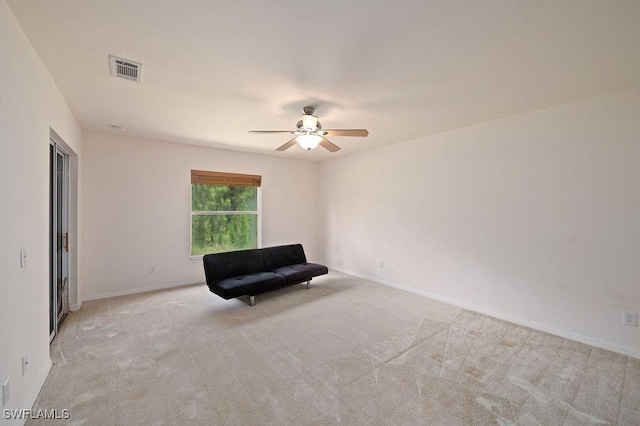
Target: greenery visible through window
[[223, 218]]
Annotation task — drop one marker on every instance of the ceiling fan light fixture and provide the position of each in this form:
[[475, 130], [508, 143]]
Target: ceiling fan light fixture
[[309, 122], [308, 141]]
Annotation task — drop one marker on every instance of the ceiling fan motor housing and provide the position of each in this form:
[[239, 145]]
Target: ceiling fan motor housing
[[309, 121], [299, 126]]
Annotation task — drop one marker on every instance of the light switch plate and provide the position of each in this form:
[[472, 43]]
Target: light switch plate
[[5, 393], [25, 364]]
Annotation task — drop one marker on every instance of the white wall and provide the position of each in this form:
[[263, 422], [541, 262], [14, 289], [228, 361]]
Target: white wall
[[136, 209], [30, 105], [533, 218]]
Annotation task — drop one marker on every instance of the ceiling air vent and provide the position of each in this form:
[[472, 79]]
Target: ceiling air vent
[[126, 69]]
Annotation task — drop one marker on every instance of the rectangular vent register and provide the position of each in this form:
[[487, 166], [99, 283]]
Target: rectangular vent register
[[125, 68]]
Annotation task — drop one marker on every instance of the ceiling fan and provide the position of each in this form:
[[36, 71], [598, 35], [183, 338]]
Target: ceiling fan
[[310, 134]]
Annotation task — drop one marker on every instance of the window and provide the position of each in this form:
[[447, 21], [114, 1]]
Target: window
[[225, 212]]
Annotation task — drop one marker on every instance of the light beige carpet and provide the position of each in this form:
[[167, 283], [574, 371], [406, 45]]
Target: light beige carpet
[[346, 351]]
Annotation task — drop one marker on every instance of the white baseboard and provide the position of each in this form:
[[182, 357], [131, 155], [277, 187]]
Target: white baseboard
[[547, 328], [134, 291]]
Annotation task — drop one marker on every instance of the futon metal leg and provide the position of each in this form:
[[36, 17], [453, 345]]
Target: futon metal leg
[[308, 284], [252, 300]]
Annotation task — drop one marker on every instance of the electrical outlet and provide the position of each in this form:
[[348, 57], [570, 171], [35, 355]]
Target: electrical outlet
[[152, 270], [630, 319], [6, 393], [25, 363]]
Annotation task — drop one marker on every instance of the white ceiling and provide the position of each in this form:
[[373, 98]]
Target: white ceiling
[[213, 70]]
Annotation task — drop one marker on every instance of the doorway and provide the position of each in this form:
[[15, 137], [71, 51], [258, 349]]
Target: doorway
[[59, 237]]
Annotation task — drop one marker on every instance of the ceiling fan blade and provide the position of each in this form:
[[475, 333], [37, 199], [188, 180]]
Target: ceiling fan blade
[[270, 131], [347, 132], [287, 145], [329, 146]]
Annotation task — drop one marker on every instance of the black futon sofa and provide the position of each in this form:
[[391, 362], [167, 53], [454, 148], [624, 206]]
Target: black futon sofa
[[251, 272]]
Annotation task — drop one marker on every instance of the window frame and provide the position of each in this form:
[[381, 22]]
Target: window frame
[[257, 212]]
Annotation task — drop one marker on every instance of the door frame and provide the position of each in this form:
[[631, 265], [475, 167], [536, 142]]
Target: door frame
[[58, 238]]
